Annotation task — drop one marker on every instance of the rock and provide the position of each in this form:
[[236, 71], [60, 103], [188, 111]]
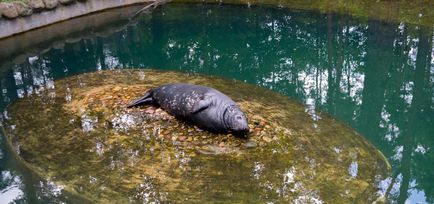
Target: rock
[[215, 150], [37, 5], [23, 9], [182, 138], [51, 4], [116, 88], [66, 2], [8, 10], [267, 139], [250, 144], [150, 111]]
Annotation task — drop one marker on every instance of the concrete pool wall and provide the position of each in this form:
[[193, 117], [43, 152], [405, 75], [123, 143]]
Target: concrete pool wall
[[9, 27]]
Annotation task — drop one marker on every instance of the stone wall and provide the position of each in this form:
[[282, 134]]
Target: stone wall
[[18, 17]]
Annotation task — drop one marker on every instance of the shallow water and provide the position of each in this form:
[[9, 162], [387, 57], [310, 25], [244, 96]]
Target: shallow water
[[377, 77], [81, 137]]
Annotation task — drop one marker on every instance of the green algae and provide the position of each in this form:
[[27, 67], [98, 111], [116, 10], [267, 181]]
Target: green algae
[[79, 135], [417, 12]]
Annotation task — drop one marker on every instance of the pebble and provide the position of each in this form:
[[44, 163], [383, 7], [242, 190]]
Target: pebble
[[182, 133], [150, 111], [182, 138], [267, 139], [250, 144]]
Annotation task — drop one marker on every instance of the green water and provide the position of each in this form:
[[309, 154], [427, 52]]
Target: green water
[[377, 77]]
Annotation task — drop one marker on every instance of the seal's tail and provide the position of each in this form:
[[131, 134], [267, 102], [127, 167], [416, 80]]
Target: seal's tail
[[146, 99]]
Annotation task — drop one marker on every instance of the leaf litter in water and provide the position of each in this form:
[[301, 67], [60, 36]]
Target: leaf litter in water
[[80, 136]]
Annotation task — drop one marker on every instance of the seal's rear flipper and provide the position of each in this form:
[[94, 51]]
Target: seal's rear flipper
[[146, 99]]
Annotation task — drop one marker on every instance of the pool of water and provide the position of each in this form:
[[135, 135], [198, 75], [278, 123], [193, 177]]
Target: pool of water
[[375, 76]]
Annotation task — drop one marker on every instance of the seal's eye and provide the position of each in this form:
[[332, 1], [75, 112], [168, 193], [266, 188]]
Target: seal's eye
[[239, 117]]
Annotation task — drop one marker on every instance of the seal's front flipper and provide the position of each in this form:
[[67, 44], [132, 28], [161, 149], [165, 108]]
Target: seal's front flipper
[[200, 106], [146, 99]]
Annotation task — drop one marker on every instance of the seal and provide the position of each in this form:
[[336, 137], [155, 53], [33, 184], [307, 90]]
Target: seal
[[205, 107]]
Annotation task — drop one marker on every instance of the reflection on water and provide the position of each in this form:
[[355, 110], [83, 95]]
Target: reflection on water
[[11, 190], [377, 77]]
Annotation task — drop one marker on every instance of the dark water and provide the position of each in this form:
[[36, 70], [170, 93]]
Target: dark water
[[378, 77]]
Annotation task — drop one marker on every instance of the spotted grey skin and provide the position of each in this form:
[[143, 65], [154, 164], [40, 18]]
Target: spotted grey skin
[[204, 106]]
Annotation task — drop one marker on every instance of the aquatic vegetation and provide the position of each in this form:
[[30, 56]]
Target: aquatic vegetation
[[415, 12], [79, 135]]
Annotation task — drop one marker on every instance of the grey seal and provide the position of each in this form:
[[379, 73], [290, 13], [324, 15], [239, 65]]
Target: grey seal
[[205, 107]]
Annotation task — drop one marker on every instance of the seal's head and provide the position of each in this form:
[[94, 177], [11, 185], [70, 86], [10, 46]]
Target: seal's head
[[235, 120]]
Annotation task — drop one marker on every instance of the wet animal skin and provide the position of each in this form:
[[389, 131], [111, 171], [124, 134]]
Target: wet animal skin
[[205, 107]]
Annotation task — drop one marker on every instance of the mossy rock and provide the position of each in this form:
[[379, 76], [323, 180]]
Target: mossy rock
[[78, 134], [51, 4], [37, 5], [8, 10]]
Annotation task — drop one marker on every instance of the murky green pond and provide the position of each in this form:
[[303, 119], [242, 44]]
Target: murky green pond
[[323, 93]]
